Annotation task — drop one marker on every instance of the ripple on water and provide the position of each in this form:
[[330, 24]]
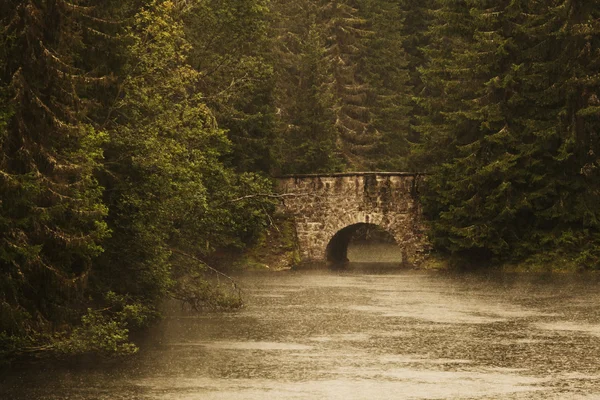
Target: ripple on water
[[449, 310], [370, 384], [234, 345], [566, 326], [355, 336], [347, 337]]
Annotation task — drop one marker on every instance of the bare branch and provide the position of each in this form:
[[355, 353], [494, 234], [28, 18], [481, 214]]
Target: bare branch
[[216, 271], [269, 196]]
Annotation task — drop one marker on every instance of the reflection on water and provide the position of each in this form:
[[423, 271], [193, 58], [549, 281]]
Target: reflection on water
[[374, 253], [381, 333]]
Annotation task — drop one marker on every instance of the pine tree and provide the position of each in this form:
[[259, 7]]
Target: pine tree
[[230, 49], [563, 123], [386, 68], [515, 140], [51, 215], [305, 94], [346, 31]]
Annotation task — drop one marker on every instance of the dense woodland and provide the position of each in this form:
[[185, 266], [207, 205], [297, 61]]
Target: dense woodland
[[139, 137]]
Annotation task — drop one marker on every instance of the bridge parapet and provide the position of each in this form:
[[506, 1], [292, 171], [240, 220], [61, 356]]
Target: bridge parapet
[[324, 204]]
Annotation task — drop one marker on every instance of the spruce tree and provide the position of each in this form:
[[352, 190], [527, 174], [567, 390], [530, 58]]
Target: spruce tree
[[51, 215], [470, 135], [511, 130], [481, 187], [306, 98], [230, 49], [386, 68], [444, 79], [562, 65], [346, 32]]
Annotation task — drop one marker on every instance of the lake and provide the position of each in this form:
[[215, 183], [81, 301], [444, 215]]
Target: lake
[[372, 331]]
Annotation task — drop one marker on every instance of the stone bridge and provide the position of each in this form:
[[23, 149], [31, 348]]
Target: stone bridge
[[329, 208]]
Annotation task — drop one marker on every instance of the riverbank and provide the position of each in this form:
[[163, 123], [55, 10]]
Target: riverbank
[[536, 264], [278, 250], [275, 250]]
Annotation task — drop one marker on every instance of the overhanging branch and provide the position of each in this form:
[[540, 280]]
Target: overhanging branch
[[268, 196]]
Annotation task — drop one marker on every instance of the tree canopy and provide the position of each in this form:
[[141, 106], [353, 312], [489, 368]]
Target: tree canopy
[[139, 138]]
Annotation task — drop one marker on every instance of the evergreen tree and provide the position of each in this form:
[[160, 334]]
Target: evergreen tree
[[305, 96], [416, 17], [150, 139], [362, 80], [345, 31], [511, 131], [564, 122], [444, 81], [385, 67], [51, 215], [478, 193], [230, 50], [312, 134]]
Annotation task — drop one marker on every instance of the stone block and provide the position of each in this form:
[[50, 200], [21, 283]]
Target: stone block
[[341, 200]]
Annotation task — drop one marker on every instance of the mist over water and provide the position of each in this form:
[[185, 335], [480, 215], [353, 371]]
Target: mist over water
[[361, 333], [371, 244], [360, 252]]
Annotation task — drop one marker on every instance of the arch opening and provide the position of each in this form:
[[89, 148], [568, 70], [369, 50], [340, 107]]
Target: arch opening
[[355, 242]]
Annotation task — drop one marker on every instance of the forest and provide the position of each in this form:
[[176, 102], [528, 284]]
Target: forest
[[138, 138]]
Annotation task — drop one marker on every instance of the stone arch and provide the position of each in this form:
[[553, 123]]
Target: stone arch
[[336, 251], [323, 205]]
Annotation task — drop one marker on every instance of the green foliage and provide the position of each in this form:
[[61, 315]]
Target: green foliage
[[97, 334], [509, 134], [51, 214], [147, 135], [342, 85], [12, 345], [199, 293], [386, 68], [105, 332], [346, 32], [236, 76], [162, 139], [166, 185], [277, 248], [310, 138]]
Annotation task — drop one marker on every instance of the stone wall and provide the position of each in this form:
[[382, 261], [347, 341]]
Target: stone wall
[[322, 205]]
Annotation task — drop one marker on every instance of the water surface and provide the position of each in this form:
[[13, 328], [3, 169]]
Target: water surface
[[371, 332]]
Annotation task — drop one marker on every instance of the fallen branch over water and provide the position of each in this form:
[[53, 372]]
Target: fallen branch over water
[[199, 293], [216, 271]]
